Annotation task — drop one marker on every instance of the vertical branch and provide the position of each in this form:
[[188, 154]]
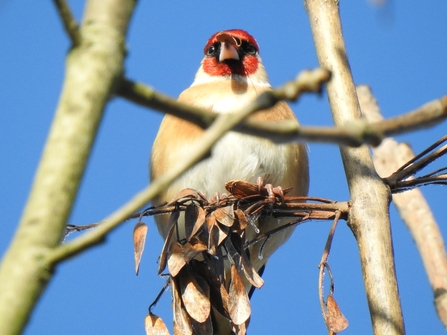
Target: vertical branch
[[92, 69], [412, 207], [368, 218]]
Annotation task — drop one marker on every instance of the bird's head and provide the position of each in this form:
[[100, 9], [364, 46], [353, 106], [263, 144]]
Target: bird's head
[[233, 55]]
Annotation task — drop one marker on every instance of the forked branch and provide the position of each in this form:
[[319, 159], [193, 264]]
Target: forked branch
[[397, 161]]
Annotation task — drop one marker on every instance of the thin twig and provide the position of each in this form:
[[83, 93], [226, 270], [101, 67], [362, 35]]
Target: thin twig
[[324, 265], [406, 185], [70, 24], [418, 156], [293, 207], [159, 295], [73, 228], [327, 248], [418, 163]]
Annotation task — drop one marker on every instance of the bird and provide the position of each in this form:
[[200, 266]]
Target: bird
[[231, 75]]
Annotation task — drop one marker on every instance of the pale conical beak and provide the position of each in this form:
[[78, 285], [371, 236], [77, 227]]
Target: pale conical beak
[[228, 46], [227, 51]]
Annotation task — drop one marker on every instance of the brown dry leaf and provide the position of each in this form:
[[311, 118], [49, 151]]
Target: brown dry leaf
[[241, 221], [225, 297], [241, 329], [250, 273], [240, 189], [225, 215], [139, 240], [185, 193], [193, 248], [232, 252], [218, 294], [217, 265], [213, 234], [239, 304], [225, 37], [155, 325], [195, 295], [182, 324], [222, 233], [176, 259], [236, 251], [191, 214], [335, 320], [164, 252], [199, 222]]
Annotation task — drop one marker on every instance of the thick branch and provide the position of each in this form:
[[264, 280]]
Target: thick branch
[[368, 218], [92, 70], [354, 133], [413, 208]]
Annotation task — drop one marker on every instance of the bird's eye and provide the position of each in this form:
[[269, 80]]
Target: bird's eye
[[249, 48], [212, 50]]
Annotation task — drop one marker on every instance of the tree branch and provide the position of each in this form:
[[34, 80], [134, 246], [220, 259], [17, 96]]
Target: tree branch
[[91, 74], [353, 133], [70, 24], [368, 218], [413, 208]]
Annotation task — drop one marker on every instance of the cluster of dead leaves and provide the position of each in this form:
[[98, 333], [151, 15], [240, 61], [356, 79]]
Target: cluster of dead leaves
[[207, 263], [209, 269]]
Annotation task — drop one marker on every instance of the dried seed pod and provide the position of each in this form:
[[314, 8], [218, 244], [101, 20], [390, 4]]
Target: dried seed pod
[[239, 304], [154, 325], [139, 240], [195, 294]]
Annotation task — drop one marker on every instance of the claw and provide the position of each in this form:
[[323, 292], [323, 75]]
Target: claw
[[279, 193], [274, 192]]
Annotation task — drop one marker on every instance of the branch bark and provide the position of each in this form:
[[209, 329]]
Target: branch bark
[[70, 25], [93, 67], [354, 133], [368, 219], [413, 208]]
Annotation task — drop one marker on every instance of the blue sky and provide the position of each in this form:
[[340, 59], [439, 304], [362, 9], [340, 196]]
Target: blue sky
[[399, 50]]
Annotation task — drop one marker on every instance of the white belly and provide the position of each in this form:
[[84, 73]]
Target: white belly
[[236, 156]]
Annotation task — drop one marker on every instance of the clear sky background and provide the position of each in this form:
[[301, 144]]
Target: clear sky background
[[399, 50]]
